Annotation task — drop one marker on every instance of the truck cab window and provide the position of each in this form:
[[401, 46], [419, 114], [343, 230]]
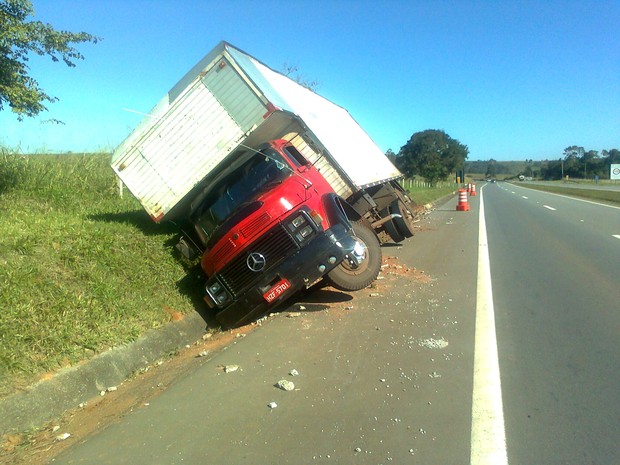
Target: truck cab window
[[296, 156], [243, 186]]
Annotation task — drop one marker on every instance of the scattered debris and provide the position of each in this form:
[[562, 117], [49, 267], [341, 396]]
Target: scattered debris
[[286, 385], [272, 405], [293, 372], [231, 368], [63, 436], [293, 314], [204, 353], [207, 336], [112, 389], [434, 343]]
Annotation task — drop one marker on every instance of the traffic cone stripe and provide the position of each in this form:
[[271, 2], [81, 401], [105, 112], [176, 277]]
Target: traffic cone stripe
[[462, 206]]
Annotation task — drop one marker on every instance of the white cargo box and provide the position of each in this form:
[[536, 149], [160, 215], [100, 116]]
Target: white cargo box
[[230, 100]]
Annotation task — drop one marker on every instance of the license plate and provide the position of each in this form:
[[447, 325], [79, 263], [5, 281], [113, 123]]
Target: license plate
[[277, 290]]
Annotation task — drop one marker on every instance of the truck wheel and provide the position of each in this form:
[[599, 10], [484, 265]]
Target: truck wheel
[[391, 229], [405, 225], [349, 276]]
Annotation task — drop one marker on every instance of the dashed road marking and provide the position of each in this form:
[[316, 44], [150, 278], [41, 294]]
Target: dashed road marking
[[548, 207]]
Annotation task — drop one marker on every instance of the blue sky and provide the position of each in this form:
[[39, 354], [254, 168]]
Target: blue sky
[[511, 80]]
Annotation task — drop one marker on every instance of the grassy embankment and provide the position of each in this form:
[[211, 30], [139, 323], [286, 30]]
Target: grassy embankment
[[605, 196], [81, 269], [423, 194]]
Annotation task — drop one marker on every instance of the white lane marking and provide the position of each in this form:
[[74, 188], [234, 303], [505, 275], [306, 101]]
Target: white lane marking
[[548, 207], [617, 236], [523, 196], [576, 198], [488, 437]]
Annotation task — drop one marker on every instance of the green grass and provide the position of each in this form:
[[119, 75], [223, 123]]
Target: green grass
[[423, 194], [81, 269], [607, 196]]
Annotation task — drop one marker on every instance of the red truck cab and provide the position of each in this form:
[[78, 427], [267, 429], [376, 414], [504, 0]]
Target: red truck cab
[[271, 225]]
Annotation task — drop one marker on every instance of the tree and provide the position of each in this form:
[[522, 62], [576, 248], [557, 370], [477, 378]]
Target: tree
[[18, 38], [292, 71], [491, 169], [432, 154], [391, 155]]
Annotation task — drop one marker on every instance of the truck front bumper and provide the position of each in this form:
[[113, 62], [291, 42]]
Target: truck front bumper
[[304, 267]]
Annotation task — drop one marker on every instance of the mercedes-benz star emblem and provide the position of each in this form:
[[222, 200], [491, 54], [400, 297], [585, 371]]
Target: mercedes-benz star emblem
[[256, 261]]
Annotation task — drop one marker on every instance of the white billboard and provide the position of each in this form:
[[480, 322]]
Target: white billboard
[[614, 172]]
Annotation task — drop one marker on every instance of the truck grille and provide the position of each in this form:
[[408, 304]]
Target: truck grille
[[275, 246]]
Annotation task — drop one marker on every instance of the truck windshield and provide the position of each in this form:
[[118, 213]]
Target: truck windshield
[[239, 190]]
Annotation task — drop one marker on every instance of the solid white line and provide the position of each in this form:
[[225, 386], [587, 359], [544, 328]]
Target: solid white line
[[548, 207], [617, 236], [488, 437]]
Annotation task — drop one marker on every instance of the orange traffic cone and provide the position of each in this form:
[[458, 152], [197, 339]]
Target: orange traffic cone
[[473, 190], [462, 206]]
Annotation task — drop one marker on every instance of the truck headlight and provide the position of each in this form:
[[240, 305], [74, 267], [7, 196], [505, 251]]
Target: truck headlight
[[301, 228], [218, 293]]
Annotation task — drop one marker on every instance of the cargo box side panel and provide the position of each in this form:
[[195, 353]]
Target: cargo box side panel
[[178, 149]]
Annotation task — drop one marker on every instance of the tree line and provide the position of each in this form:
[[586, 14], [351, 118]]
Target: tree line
[[576, 162], [432, 154], [580, 163]]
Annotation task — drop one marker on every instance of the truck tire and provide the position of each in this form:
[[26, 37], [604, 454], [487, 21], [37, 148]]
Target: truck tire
[[405, 225], [391, 229], [347, 277]]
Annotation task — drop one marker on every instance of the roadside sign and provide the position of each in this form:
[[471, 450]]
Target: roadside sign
[[614, 172]]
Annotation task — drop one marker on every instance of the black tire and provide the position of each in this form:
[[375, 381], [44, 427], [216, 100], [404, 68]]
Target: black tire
[[406, 224], [391, 229], [347, 277]]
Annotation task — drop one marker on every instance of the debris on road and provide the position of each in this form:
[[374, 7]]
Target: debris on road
[[204, 353], [293, 372], [434, 343], [285, 385], [272, 405], [231, 368]]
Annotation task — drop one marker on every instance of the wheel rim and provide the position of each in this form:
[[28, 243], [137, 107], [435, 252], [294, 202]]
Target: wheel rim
[[357, 269]]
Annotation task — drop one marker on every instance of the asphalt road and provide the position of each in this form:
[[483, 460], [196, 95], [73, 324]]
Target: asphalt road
[[386, 375], [556, 283]]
